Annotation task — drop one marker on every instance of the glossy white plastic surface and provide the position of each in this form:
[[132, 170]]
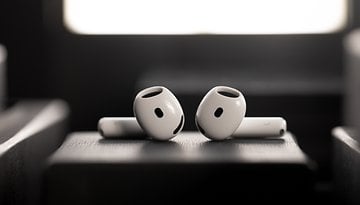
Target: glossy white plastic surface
[[261, 127], [158, 113], [119, 127], [125, 127], [220, 112]]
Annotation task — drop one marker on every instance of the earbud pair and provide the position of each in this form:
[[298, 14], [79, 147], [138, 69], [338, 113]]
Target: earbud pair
[[221, 114]]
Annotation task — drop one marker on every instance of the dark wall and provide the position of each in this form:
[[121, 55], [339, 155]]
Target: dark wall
[[354, 14], [21, 31], [102, 71]]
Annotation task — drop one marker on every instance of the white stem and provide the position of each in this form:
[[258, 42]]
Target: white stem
[[123, 127], [119, 127], [261, 127]]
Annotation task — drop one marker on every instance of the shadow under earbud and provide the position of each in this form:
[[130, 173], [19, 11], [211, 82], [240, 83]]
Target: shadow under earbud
[[127, 137], [218, 150], [161, 150], [147, 149], [120, 140], [263, 140]]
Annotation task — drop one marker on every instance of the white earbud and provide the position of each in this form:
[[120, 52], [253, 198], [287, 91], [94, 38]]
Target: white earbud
[[221, 114], [158, 113]]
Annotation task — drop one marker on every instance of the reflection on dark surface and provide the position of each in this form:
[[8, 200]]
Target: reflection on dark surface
[[189, 147], [165, 150], [127, 140], [141, 149], [128, 136], [252, 140], [230, 144], [248, 150], [218, 150]]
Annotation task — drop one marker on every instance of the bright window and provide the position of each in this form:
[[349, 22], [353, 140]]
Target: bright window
[[204, 16]]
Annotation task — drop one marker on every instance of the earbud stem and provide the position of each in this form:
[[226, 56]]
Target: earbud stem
[[119, 127], [261, 127]]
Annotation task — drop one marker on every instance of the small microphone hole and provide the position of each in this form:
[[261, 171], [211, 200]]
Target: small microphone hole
[[158, 112], [218, 112]]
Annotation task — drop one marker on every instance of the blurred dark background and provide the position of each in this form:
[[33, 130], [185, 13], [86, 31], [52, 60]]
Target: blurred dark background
[[299, 77]]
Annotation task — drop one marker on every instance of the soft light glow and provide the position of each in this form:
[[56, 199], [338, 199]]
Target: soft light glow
[[2, 54], [204, 16]]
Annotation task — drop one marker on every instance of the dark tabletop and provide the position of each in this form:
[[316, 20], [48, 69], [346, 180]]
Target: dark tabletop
[[88, 169], [188, 147]]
